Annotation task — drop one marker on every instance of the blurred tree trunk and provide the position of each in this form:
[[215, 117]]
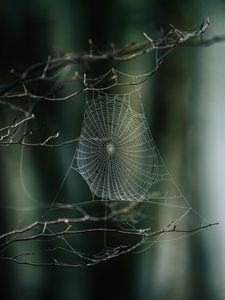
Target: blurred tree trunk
[[177, 269], [110, 280], [188, 94]]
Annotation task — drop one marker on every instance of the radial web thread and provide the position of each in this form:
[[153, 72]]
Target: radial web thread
[[135, 204], [116, 154]]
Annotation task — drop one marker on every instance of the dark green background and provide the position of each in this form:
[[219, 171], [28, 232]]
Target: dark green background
[[185, 106]]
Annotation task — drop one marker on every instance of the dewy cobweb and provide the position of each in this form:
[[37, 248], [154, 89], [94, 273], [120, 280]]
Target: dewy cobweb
[[133, 201], [116, 154], [118, 159]]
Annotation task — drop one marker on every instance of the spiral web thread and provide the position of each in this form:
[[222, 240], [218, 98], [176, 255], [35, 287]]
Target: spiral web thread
[[135, 202], [116, 153], [117, 157]]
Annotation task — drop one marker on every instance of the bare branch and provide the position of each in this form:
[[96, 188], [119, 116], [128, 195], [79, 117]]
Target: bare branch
[[38, 72], [144, 234], [60, 230]]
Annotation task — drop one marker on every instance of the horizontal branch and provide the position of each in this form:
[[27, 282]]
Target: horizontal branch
[[47, 70], [144, 234]]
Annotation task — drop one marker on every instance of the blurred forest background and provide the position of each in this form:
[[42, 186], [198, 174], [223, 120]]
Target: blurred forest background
[[185, 106]]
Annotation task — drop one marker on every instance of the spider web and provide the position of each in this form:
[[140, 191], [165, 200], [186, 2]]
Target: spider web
[[134, 201], [127, 177], [116, 153]]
